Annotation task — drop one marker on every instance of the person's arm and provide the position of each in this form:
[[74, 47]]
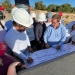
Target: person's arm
[[28, 43], [15, 48], [47, 34], [27, 38], [11, 57], [12, 69], [63, 36]]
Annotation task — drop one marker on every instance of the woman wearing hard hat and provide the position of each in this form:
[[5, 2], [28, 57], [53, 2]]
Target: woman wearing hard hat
[[17, 38], [40, 29]]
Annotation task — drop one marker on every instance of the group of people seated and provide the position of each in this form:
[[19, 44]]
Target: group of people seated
[[25, 34]]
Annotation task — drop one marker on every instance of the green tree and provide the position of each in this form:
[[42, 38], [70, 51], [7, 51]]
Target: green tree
[[66, 7], [43, 7], [7, 4], [59, 8], [40, 6], [73, 9], [52, 7]]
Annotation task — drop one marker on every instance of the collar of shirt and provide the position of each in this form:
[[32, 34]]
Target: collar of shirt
[[16, 30], [56, 28]]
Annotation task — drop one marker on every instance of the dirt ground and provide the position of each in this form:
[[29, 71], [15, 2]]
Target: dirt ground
[[67, 17]]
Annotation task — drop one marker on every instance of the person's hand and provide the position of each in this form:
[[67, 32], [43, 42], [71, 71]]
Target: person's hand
[[23, 67], [57, 47], [30, 49], [14, 64], [47, 46], [12, 68], [40, 42], [29, 60]]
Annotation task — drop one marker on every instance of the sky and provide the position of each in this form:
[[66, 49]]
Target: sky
[[48, 2]]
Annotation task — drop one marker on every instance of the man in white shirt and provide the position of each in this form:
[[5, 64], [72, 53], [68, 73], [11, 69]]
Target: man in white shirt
[[16, 38]]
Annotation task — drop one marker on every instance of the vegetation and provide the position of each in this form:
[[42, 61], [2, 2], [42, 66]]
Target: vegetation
[[55, 8], [40, 6], [7, 4]]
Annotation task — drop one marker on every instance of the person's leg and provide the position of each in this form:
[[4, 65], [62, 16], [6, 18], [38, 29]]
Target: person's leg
[[38, 46], [33, 45]]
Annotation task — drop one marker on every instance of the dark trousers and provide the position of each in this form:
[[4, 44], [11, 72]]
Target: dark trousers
[[40, 46], [33, 45]]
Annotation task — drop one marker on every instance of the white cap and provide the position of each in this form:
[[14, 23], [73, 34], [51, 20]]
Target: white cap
[[13, 9], [21, 16], [33, 15], [41, 17]]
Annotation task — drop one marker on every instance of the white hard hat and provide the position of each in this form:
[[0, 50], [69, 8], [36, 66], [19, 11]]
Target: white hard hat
[[41, 17], [21, 16], [33, 15], [13, 9]]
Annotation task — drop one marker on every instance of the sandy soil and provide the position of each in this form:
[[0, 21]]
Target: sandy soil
[[67, 17]]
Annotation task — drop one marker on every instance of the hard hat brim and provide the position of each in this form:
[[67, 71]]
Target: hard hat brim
[[24, 24]]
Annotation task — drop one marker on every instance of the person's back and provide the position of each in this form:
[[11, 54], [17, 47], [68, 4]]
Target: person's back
[[39, 31], [30, 33]]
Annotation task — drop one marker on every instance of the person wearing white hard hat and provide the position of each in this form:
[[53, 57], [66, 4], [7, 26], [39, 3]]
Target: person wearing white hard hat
[[17, 38], [9, 23], [40, 29], [33, 15], [48, 17], [8, 26]]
